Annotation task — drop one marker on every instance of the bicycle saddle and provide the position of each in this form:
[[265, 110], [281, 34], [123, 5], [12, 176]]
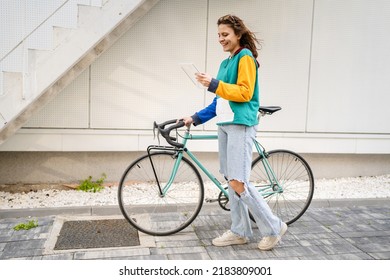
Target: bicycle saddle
[[269, 110]]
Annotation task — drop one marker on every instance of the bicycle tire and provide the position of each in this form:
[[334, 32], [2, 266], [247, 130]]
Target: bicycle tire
[[142, 204], [295, 177]]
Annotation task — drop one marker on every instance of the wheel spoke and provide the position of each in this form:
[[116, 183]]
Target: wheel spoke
[[144, 206], [294, 177]]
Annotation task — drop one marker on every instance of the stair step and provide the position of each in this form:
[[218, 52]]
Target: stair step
[[71, 51], [13, 82]]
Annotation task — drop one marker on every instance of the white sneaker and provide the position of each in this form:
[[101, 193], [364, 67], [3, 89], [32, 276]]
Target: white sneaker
[[229, 238], [269, 242]]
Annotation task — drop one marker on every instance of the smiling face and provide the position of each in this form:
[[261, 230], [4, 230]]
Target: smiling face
[[228, 39]]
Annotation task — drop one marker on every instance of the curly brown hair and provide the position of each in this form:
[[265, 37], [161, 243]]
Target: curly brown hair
[[247, 38]]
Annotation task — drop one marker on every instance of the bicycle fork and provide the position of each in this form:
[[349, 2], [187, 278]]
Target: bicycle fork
[[164, 189]]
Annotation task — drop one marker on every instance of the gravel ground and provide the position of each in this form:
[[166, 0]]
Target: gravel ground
[[340, 188]]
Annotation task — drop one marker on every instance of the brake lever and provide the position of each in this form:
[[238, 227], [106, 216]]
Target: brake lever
[[154, 132]]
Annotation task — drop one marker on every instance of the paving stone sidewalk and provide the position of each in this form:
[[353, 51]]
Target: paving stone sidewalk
[[335, 232]]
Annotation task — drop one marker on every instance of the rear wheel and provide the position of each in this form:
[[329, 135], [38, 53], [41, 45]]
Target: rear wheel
[[295, 178]]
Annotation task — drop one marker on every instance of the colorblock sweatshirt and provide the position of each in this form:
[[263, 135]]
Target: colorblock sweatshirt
[[237, 92]]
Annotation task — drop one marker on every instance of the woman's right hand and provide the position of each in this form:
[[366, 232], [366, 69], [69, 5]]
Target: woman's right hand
[[187, 121]]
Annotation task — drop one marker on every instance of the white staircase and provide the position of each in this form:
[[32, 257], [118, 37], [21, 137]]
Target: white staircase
[[56, 42]]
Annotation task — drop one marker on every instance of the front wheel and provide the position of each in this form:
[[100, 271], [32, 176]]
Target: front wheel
[[288, 184], [156, 202]]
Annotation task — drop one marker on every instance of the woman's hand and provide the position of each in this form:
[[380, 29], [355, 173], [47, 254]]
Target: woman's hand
[[187, 121], [204, 79]]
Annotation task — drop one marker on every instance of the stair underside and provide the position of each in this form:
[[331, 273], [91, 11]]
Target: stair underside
[[79, 49]]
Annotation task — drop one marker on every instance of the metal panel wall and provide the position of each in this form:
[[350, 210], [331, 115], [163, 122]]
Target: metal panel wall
[[350, 69], [325, 62], [284, 26], [70, 109], [139, 79]]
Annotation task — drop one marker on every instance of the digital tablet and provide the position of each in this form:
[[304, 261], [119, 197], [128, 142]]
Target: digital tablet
[[190, 70]]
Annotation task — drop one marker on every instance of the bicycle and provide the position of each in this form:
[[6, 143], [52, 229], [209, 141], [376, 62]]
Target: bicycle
[[162, 192]]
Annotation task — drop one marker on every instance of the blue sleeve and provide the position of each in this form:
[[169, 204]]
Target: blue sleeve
[[205, 114]]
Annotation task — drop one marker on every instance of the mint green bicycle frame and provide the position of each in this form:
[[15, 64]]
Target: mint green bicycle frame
[[265, 190]]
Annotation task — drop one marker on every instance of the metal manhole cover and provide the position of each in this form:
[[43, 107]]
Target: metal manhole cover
[[89, 234]]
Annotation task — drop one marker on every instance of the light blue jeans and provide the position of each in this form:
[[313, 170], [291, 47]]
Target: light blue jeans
[[235, 156]]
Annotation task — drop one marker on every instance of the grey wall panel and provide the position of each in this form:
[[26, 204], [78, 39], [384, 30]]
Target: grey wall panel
[[350, 70], [285, 30], [70, 109], [325, 62], [139, 79]]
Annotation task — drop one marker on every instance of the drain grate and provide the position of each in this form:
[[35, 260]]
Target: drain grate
[[88, 234]]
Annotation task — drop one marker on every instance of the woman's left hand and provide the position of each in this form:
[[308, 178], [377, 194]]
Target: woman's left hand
[[204, 79]]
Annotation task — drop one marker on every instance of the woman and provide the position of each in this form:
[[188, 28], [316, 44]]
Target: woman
[[236, 104]]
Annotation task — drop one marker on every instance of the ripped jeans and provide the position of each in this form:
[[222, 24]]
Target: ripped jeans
[[235, 156]]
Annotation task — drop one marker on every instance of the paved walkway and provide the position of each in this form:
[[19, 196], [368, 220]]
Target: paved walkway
[[328, 230]]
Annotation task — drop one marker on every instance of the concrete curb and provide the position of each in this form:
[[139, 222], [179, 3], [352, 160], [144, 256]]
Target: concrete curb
[[114, 209]]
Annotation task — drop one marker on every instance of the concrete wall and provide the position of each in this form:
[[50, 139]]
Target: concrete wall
[[325, 62], [60, 167]]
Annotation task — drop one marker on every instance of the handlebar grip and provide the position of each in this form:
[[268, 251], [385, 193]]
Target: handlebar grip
[[166, 131], [162, 125]]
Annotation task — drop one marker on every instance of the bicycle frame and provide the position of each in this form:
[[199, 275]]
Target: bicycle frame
[[265, 190]]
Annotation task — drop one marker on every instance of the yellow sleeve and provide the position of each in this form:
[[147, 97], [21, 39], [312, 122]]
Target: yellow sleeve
[[242, 91]]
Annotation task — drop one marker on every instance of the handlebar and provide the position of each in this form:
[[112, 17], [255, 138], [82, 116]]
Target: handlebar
[[165, 132]]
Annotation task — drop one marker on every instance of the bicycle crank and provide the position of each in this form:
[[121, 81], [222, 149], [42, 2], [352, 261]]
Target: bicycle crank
[[223, 201]]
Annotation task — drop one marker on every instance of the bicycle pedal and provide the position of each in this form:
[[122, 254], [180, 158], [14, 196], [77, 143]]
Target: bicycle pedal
[[209, 200]]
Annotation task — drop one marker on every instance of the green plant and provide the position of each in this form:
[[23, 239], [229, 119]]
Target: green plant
[[90, 186], [26, 226]]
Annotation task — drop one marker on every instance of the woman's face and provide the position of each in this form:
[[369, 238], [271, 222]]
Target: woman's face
[[228, 39]]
